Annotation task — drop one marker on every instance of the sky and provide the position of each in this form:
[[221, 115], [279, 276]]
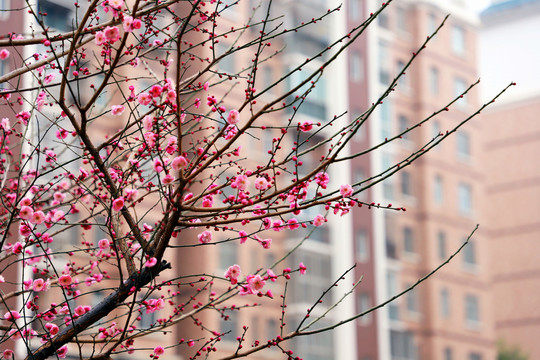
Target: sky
[[479, 5]]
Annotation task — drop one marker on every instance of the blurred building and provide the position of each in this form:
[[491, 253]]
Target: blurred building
[[510, 51], [449, 316]]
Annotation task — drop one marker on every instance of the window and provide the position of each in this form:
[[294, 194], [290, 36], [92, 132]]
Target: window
[[408, 240], [406, 187], [5, 8], [226, 64], [448, 355], [403, 124], [362, 246], [354, 10], [271, 329], [384, 63], [308, 288], [383, 20], [268, 79], [432, 23], [386, 120], [445, 303], [411, 300], [388, 187], [389, 234], [402, 345], [458, 40], [460, 86], [438, 192], [357, 66], [58, 17], [314, 103], [229, 8], [475, 356], [463, 145], [469, 254], [436, 130], [227, 255], [404, 79], [472, 316], [441, 245], [364, 304], [229, 325], [392, 289], [434, 80], [401, 18], [465, 199]]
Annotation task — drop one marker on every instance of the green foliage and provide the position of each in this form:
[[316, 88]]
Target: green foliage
[[509, 352]]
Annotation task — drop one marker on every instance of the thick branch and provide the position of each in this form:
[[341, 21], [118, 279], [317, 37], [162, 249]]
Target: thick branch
[[111, 302]]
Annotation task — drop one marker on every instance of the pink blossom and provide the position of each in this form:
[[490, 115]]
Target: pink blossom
[[306, 126], [168, 179], [8, 354], [127, 23], [2, 279], [179, 162], [4, 54], [103, 244], [243, 236], [131, 194], [40, 285], [116, 4], [38, 218], [137, 24], [80, 310], [302, 268], [233, 273], [230, 132], [5, 125], [117, 109], [148, 122], [24, 230], [52, 328], [271, 275], [255, 282], [144, 98], [234, 117], [241, 183], [17, 248], [206, 86], [191, 343], [25, 202], [319, 220], [112, 33], [205, 237], [151, 262], [158, 165], [266, 243], [208, 201], [12, 315], [62, 352], [278, 225], [159, 350], [100, 38], [322, 179], [293, 224], [118, 204], [26, 212], [65, 280], [155, 91], [346, 190], [261, 183], [150, 138]]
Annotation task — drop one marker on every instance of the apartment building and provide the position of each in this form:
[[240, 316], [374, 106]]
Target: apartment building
[[509, 47], [449, 316]]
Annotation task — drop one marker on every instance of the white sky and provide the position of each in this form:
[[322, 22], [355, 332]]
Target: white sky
[[479, 5]]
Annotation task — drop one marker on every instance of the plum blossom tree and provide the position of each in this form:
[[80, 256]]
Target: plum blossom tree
[[127, 149]]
